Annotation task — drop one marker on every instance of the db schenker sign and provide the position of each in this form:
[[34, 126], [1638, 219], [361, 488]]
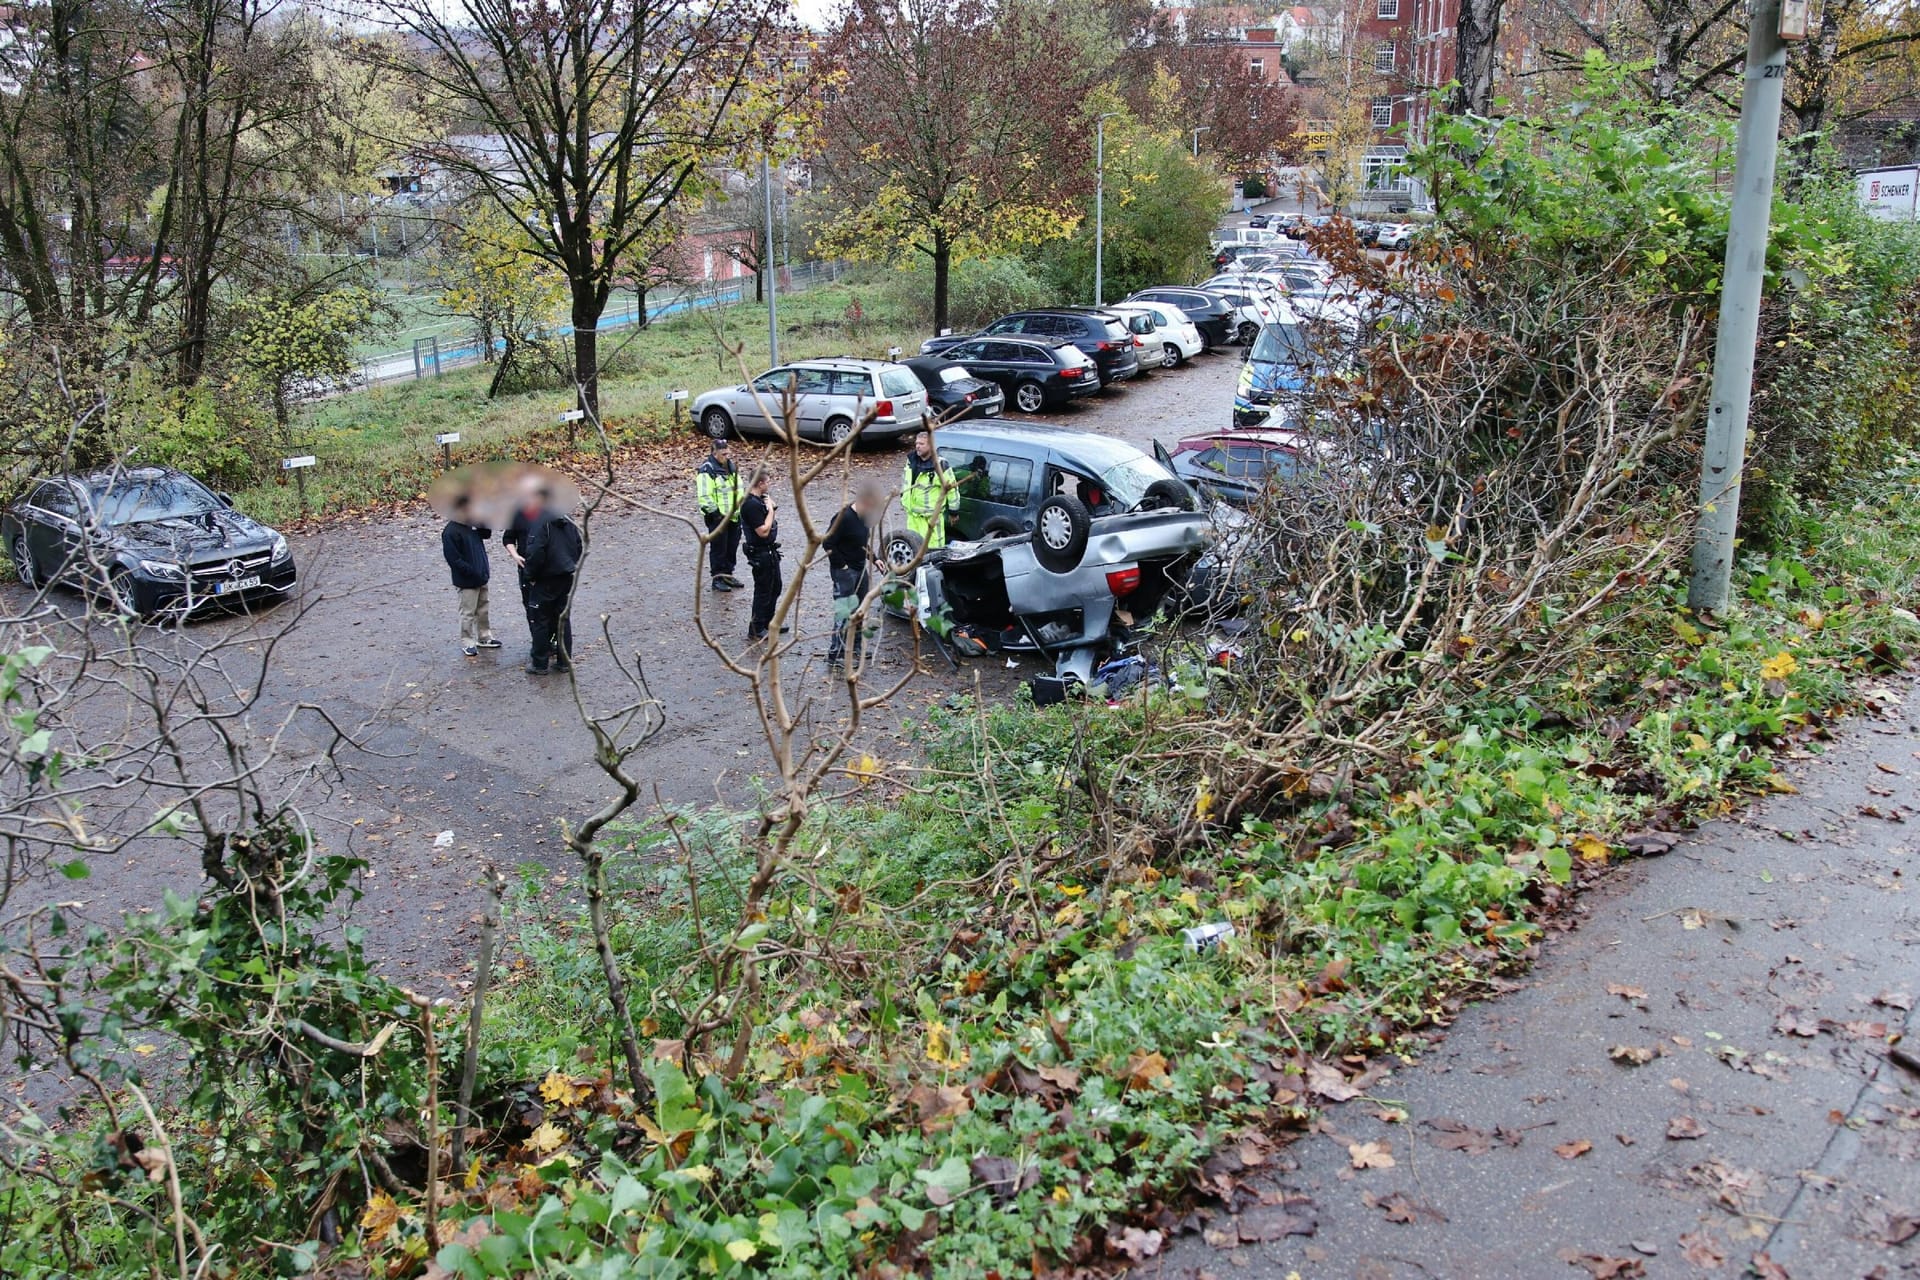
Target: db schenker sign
[[1888, 193]]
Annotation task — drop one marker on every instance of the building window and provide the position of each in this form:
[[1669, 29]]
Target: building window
[[1383, 56], [1259, 68], [1388, 10], [1383, 113]]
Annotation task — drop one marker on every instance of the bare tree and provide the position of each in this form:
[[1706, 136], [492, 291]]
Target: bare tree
[[594, 116]]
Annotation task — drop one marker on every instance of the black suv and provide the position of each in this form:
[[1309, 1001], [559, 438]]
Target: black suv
[[1101, 334], [1211, 314]]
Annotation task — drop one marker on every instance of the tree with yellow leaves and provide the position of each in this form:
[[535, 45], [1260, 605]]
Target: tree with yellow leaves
[[488, 274]]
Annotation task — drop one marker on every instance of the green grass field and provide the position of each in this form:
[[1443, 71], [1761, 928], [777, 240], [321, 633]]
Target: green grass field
[[377, 446]]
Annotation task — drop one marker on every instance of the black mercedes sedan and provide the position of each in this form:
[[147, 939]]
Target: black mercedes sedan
[[148, 540], [954, 392]]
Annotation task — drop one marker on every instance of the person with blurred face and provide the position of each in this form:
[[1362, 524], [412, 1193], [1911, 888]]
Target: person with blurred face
[[760, 532], [849, 548], [464, 544], [550, 557]]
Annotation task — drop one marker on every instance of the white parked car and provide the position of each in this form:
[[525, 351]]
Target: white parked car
[[1395, 235], [1179, 341]]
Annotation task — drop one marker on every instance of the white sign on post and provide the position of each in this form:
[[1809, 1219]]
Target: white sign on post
[[294, 464], [1889, 194], [892, 352], [573, 415], [447, 437], [676, 395]]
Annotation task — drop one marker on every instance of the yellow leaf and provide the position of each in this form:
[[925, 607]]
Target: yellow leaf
[[1592, 848], [1779, 666], [143, 1049], [1370, 1155], [1189, 899], [565, 1090], [1202, 801], [1061, 1195], [866, 769], [943, 1050], [740, 1250], [379, 1216], [547, 1138]]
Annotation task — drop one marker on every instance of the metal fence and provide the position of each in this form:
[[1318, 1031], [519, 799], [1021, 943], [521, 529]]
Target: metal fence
[[432, 356]]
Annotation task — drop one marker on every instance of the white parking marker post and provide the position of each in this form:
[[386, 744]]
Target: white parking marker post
[[676, 399], [446, 440], [299, 467]]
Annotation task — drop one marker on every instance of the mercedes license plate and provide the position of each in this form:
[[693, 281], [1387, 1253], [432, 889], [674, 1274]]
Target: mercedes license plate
[[232, 585]]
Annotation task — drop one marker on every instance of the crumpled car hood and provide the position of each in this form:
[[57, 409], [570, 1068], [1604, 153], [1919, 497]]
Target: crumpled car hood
[[193, 537]]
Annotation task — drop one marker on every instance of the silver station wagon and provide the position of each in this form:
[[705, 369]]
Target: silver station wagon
[[832, 399]]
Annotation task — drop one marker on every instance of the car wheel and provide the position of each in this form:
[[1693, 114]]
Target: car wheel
[[903, 547], [716, 423], [1029, 397], [23, 562], [1000, 527], [1167, 495], [1248, 333], [1169, 356], [839, 430], [1060, 533], [119, 593]]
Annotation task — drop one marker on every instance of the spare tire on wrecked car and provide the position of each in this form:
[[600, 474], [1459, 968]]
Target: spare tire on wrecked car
[[1060, 531]]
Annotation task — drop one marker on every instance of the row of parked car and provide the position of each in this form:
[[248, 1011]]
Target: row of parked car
[[1034, 360]]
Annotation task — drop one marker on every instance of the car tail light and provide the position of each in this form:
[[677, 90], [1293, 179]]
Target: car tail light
[[883, 409], [1139, 341], [1123, 582], [969, 399], [1103, 345], [1070, 373]]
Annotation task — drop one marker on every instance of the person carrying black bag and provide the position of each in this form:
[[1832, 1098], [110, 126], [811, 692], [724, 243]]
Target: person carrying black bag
[[552, 556], [760, 530]]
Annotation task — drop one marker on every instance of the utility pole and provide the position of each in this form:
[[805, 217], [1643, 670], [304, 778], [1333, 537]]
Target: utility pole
[[1725, 448], [1205, 128], [1099, 199], [766, 263]]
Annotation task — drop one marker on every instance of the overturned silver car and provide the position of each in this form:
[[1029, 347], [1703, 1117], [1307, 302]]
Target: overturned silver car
[[1067, 541]]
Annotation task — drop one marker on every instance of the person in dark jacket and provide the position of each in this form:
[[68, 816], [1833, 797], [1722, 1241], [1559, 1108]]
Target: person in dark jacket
[[551, 556], [465, 547], [760, 532], [848, 545]]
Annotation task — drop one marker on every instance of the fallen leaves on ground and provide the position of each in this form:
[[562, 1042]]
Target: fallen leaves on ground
[[1765, 1268], [1574, 1149], [1702, 1250], [1292, 1217], [1451, 1134], [1682, 1128], [1892, 1226], [1327, 1081], [1795, 1023], [1626, 992], [1399, 1208], [1136, 1244], [1601, 1267], [1370, 1155], [1632, 1054], [1143, 1069]]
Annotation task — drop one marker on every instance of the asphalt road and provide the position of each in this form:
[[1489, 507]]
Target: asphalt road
[[480, 749], [1695, 1077]]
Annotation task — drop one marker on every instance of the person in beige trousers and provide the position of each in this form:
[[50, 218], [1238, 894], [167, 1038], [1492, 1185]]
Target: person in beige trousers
[[465, 546]]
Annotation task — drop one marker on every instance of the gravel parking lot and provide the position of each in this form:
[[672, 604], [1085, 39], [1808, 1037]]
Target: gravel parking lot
[[497, 757]]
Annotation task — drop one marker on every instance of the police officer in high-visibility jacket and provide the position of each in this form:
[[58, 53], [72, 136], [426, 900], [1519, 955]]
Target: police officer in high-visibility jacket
[[928, 492], [716, 487]]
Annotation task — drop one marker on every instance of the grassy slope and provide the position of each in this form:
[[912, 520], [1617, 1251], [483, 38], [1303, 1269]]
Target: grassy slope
[[377, 445]]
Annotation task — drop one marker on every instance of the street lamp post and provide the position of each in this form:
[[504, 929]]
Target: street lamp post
[[766, 263], [1205, 128], [1099, 199]]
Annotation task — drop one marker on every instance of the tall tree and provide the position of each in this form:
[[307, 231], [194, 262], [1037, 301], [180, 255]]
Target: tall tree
[[956, 129], [1241, 117], [1862, 58], [1476, 50], [592, 117]]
